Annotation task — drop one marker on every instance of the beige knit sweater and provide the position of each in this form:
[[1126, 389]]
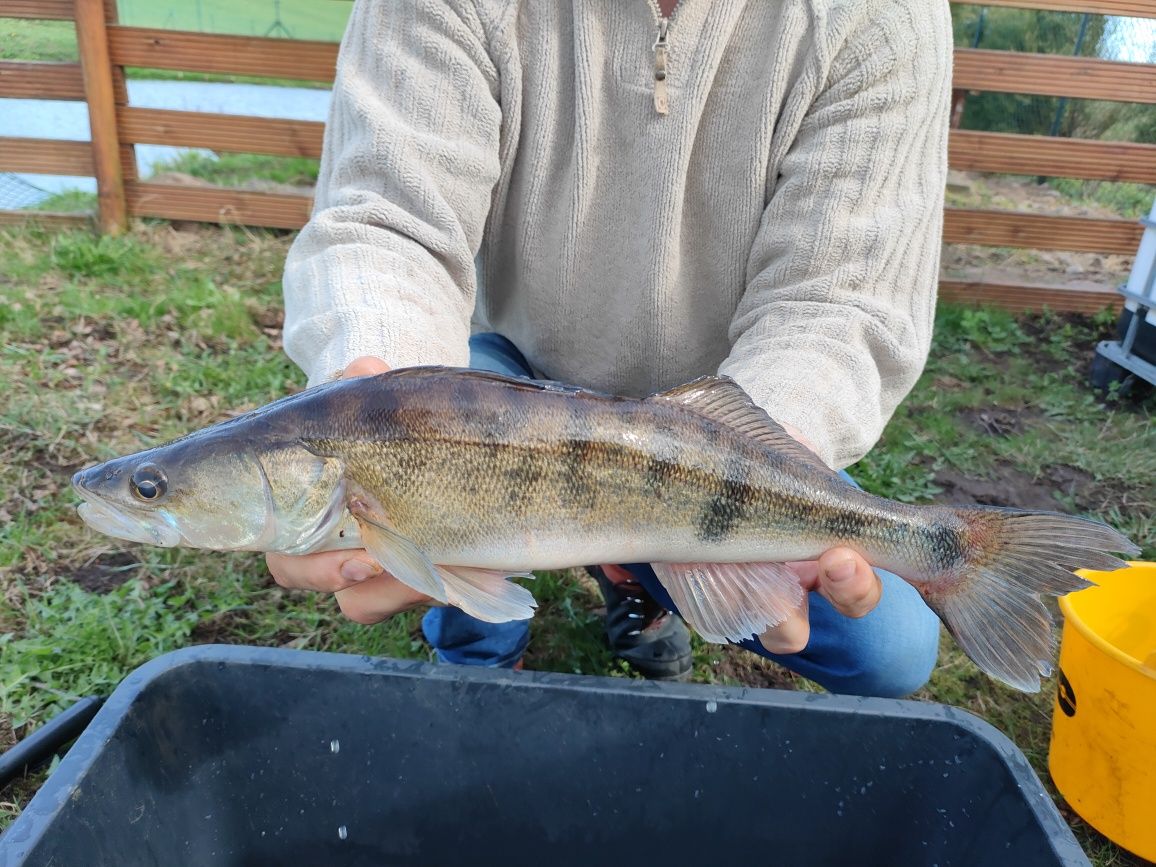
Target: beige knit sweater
[[780, 223]]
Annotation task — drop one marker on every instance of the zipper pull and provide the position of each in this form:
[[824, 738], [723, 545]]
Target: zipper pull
[[661, 103]]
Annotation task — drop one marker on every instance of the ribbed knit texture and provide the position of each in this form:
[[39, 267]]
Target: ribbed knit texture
[[781, 225]]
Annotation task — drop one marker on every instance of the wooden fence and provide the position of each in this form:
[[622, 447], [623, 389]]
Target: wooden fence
[[107, 47]]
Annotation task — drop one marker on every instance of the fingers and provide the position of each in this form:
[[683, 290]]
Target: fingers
[[844, 579], [327, 572], [366, 365], [364, 592], [848, 582], [377, 598], [790, 636]]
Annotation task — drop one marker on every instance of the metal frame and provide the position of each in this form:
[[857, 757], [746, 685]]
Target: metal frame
[[1120, 351]]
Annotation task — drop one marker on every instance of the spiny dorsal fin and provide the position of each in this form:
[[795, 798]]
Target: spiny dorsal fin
[[520, 382], [722, 399]]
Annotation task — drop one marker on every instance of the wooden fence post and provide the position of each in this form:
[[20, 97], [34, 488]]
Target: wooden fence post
[[92, 41]]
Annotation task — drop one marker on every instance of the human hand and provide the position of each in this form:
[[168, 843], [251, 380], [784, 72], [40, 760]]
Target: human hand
[[364, 591], [840, 575]]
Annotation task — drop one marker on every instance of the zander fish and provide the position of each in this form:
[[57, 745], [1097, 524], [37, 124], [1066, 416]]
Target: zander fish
[[456, 480]]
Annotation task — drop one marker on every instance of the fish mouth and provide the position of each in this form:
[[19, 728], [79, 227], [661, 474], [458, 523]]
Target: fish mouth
[[123, 523]]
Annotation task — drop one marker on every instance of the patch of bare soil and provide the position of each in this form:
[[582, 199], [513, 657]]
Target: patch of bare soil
[[105, 573], [998, 421], [1014, 488], [742, 666], [222, 628]]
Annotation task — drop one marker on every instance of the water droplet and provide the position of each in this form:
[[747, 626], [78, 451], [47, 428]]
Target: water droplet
[[711, 706], [335, 746], [342, 832]]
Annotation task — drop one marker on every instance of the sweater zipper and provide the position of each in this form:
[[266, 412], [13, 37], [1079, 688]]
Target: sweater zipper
[[661, 98]]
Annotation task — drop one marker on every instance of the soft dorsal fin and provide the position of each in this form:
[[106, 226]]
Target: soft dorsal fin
[[722, 399]]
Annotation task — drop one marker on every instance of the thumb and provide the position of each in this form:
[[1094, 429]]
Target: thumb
[[366, 365], [848, 582]]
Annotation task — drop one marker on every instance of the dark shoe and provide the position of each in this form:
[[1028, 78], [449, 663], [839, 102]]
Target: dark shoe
[[651, 640]]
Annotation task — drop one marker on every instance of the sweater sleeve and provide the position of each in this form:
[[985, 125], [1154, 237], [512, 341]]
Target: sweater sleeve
[[835, 323], [385, 265]]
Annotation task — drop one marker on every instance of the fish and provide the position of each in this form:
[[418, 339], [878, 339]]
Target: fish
[[457, 481]]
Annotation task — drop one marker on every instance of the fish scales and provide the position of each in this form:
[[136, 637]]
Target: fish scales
[[543, 470]]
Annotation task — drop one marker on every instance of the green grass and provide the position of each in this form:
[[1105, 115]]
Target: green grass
[[37, 40], [69, 202], [112, 344], [319, 20], [1126, 199], [236, 169], [322, 20]]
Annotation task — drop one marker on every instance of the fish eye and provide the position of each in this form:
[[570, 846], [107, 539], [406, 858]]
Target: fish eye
[[148, 483]]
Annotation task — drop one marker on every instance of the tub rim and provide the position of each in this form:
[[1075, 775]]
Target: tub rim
[[1097, 641]]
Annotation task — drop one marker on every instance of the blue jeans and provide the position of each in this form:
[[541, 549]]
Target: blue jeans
[[890, 652]]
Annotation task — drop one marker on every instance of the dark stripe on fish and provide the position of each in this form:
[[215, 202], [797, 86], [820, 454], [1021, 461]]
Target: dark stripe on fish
[[579, 474], [728, 507], [659, 472], [841, 523]]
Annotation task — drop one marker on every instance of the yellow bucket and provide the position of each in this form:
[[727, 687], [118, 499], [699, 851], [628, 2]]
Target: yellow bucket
[[1103, 751]]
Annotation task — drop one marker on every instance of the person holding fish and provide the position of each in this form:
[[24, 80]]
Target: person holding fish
[[698, 287], [650, 192], [690, 252]]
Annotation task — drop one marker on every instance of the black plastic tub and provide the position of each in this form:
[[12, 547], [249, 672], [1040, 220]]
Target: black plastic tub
[[243, 756]]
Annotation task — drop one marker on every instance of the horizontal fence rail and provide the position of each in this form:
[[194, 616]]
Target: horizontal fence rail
[[1037, 155], [1053, 75], [45, 156], [1125, 8], [43, 10], [107, 47], [214, 205], [225, 55], [1021, 298], [222, 132], [21, 79], [44, 218], [1041, 231]]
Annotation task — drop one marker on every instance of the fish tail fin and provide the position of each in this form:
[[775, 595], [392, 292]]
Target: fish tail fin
[[997, 562]]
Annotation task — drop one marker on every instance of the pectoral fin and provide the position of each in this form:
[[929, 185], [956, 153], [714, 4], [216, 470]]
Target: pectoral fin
[[487, 594], [731, 601], [400, 557]]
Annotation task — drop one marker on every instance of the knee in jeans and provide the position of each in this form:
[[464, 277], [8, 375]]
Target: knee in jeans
[[902, 665]]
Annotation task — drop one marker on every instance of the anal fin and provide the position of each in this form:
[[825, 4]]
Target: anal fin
[[487, 594], [727, 602], [400, 557]]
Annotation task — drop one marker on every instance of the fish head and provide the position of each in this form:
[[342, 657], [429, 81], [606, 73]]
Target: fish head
[[200, 491]]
